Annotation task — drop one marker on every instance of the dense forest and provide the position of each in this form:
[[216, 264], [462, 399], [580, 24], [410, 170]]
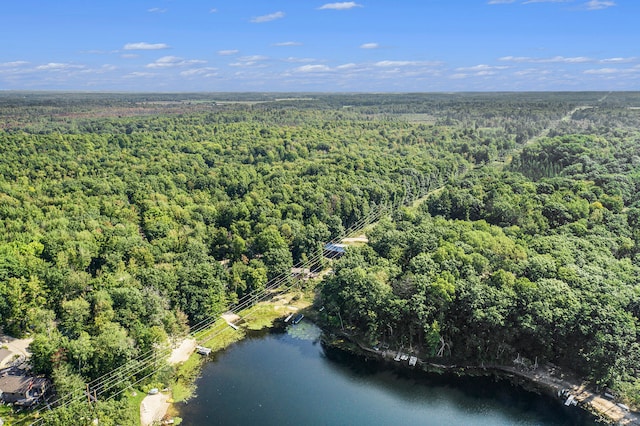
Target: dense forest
[[536, 259], [127, 218]]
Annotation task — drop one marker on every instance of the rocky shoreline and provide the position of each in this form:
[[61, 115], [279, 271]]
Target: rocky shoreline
[[544, 379]]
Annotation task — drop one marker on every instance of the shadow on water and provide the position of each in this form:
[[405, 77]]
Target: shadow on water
[[286, 376], [469, 393]]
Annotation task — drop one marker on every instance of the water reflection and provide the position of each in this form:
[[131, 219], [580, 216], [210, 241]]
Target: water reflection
[[289, 378]]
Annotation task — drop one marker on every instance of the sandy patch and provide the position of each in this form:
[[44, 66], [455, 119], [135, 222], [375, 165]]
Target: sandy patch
[[153, 408], [230, 317], [182, 352]]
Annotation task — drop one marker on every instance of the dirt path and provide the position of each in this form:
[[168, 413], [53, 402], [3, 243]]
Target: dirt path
[[13, 348], [355, 240], [154, 407]]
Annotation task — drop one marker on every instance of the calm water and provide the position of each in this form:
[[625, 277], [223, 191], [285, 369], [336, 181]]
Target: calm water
[[289, 378]]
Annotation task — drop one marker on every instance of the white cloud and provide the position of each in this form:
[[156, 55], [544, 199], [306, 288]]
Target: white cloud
[[213, 10], [312, 68], [129, 55], [482, 68], [228, 52], [299, 60], [603, 71], [599, 4], [103, 69], [405, 63], [267, 18], [369, 46], [546, 1], [618, 60], [13, 64], [136, 74], [340, 6], [606, 71], [173, 61], [57, 66], [348, 66], [500, 1], [532, 71], [250, 61], [145, 46], [555, 59], [287, 43], [253, 58], [156, 10], [203, 72], [247, 65]]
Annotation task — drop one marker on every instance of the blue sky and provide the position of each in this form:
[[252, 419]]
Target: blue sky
[[311, 45]]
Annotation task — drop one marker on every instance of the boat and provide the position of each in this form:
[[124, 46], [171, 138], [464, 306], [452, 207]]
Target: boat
[[288, 318], [570, 400], [624, 407], [297, 319]]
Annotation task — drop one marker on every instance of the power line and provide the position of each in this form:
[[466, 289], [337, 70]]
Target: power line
[[122, 375]]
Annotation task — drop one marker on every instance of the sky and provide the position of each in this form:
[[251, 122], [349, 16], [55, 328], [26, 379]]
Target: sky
[[317, 46]]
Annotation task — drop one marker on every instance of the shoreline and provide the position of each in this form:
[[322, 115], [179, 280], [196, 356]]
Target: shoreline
[[262, 316], [544, 380]]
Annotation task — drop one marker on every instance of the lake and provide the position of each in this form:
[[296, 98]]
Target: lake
[[288, 377]]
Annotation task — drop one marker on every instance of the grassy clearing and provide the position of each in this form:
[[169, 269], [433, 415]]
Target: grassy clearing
[[10, 418], [186, 374], [134, 398]]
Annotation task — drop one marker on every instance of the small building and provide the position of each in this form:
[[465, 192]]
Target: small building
[[303, 274], [16, 389], [334, 251]]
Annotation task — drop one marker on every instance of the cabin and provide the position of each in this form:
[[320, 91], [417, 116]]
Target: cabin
[[334, 251], [23, 390]]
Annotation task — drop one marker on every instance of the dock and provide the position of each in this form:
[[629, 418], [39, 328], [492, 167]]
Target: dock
[[203, 351]]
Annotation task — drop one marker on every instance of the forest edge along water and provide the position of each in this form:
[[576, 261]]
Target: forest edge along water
[[273, 375], [546, 380]]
